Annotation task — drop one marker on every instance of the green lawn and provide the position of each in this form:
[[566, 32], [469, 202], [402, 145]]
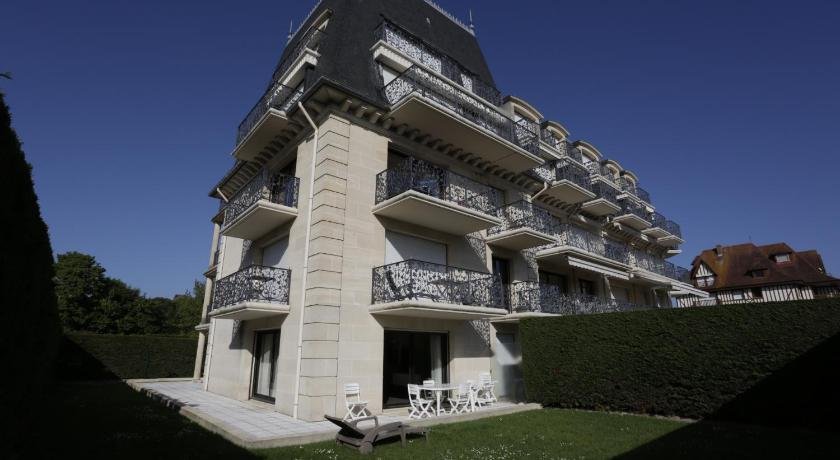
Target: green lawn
[[109, 420]]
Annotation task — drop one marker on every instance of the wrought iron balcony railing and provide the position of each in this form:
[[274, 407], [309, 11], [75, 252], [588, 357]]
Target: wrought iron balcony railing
[[669, 226], [426, 54], [682, 274], [529, 296], [426, 281], [577, 237], [606, 192], [597, 169], [312, 40], [636, 210], [549, 138], [442, 93], [434, 181], [279, 97], [634, 189], [252, 284], [523, 214], [275, 188], [562, 170]]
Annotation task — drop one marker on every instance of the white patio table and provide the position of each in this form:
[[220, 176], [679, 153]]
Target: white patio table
[[438, 390]]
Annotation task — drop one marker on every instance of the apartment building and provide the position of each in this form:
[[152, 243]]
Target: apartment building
[[746, 273], [390, 217]]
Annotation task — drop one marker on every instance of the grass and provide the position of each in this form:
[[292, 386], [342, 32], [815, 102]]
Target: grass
[[110, 420]]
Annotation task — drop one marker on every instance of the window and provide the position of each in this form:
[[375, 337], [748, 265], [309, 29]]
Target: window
[[779, 258], [738, 295], [756, 293], [705, 281], [553, 280], [587, 287]]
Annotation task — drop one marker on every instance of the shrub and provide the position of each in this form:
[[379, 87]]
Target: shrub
[[694, 363], [106, 356]]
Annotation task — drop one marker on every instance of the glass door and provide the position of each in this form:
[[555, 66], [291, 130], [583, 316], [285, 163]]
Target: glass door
[[411, 357], [266, 345]]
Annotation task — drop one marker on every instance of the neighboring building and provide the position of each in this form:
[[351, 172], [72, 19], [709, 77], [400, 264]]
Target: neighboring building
[[390, 216], [746, 273]]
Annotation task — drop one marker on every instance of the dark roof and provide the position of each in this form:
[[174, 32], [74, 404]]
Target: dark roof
[[733, 269], [346, 57]]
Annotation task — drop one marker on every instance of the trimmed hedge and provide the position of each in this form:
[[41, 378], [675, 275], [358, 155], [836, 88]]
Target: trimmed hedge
[[106, 356], [773, 363]]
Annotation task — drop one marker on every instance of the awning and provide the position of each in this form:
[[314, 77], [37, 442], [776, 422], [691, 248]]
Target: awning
[[597, 268]]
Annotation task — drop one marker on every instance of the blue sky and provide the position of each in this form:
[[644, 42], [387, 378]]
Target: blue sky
[[727, 111]]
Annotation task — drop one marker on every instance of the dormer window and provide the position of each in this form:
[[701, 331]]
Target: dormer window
[[781, 258], [705, 281], [760, 273]]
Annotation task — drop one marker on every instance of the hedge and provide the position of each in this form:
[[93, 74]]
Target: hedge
[[87, 356], [773, 363]]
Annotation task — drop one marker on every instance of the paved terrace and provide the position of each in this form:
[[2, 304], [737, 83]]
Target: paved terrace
[[256, 425]]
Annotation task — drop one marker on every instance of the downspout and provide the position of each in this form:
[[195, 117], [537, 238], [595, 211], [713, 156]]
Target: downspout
[[310, 199], [542, 190]]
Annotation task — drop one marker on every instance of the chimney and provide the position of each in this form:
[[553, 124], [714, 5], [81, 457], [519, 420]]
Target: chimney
[[719, 251]]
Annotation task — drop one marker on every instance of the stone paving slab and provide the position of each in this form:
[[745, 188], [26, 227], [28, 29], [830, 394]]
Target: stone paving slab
[[256, 425]]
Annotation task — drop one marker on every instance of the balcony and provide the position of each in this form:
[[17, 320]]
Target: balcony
[[523, 226], [435, 106], [418, 289], [269, 116], [251, 293], [665, 231], [633, 215], [652, 269], [634, 189], [267, 201], [605, 202], [423, 194], [529, 298], [583, 249], [566, 181]]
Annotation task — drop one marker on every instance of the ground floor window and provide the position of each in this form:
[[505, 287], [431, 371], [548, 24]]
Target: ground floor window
[[412, 357], [587, 287]]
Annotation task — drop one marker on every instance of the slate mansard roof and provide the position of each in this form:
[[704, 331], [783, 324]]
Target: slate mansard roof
[[346, 48], [733, 268]]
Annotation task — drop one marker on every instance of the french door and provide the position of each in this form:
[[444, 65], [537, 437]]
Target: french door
[[266, 347], [411, 357]]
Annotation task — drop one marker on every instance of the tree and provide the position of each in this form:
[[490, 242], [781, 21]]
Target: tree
[[31, 333], [80, 285], [188, 308]]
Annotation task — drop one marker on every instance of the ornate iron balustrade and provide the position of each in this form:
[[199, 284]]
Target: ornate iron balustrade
[[418, 280], [523, 214], [275, 188], [427, 55], [597, 169], [571, 235], [442, 93], [528, 296], [682, 274], [635, 209], [606, 192], [432, 180], [634, 189], [562, 170], [252, 284], [549, 138], [312, 40], [279, 97], [652, 264], [617, 251], [669, 226]]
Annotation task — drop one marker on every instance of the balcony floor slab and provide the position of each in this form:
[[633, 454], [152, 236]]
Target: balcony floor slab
[[258, 219], [418, 113], [580, 258], [519, 238], [633, 221], [430, 212], [264, 131], [569, 192], [249, 310], [600, 207], [437, 310]]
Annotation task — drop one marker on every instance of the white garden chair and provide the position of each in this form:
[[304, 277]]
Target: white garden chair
[[420, 406], [487, 389], [356, 408], [426, 384], [459, 402]]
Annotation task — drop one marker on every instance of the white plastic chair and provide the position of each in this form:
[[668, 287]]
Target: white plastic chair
[[420, 406], [487, 389], [356, 408], [460, 401]]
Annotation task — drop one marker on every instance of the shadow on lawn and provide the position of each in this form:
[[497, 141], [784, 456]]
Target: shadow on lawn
[[93, 415], [770, 418]]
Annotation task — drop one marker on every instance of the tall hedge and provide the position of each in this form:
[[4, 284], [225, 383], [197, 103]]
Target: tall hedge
[[30, 331], [774, 363]]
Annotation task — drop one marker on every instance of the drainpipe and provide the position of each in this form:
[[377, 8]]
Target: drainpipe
[[542, 190], [305, 257]]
